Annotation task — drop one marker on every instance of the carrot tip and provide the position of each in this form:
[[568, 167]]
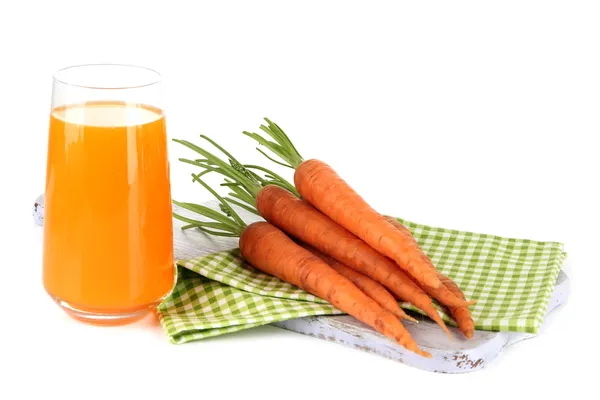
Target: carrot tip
[[469, 333], [442, 325], [422, 353], [402, 315], [409, 318], [433, 284], [471, 302], [449, 335]]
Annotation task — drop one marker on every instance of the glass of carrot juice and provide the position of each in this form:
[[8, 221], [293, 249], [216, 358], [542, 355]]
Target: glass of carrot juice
[[108, 234]]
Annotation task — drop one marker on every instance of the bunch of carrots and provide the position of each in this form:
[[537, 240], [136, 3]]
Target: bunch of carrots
[[321, 236]]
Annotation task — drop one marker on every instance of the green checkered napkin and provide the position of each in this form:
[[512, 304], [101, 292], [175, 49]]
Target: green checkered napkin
[[220, 293], [512, 280]]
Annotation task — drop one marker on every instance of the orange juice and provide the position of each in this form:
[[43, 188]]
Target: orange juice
[[108, 244]]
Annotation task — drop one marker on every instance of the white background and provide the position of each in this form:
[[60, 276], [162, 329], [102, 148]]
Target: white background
[[471, 115]]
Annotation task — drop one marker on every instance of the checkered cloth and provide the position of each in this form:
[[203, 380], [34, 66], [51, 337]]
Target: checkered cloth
[[220, 293], [512, 280]]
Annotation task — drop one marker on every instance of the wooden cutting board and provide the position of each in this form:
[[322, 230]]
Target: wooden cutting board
[[458, 356]]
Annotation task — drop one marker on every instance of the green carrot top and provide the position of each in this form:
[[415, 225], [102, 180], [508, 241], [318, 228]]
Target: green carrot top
[[281, 145], [244, 182]]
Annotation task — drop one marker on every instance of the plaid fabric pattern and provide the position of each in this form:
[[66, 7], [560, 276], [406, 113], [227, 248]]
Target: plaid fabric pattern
[[228, 267], [199, 307], [512, 280]]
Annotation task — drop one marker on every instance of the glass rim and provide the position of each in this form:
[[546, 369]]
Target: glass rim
[[157, 76]]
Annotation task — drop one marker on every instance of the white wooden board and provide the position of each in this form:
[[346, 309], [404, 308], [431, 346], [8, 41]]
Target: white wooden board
[[458, 356]]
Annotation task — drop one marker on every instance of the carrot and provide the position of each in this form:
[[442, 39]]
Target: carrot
[[423, 302], [299, 219], [373, 289], [322, 187], [442, 294], [461, 313], [302, 221], [270, 250]]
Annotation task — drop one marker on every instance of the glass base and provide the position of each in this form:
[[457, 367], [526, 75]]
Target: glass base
[[105, 319]]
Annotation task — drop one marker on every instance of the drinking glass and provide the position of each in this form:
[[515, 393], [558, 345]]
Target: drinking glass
[[108, 234]]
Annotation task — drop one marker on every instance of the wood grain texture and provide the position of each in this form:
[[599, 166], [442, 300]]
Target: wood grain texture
[[458, 356]]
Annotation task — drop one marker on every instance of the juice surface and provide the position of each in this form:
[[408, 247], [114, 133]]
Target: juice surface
[[108, 243]]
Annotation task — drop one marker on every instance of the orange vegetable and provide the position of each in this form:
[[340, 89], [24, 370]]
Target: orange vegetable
[[280, 207], [322, 187], [461, 315], [302, 221], [270, 250], [460, 312], [373, 289], [442, 294]]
